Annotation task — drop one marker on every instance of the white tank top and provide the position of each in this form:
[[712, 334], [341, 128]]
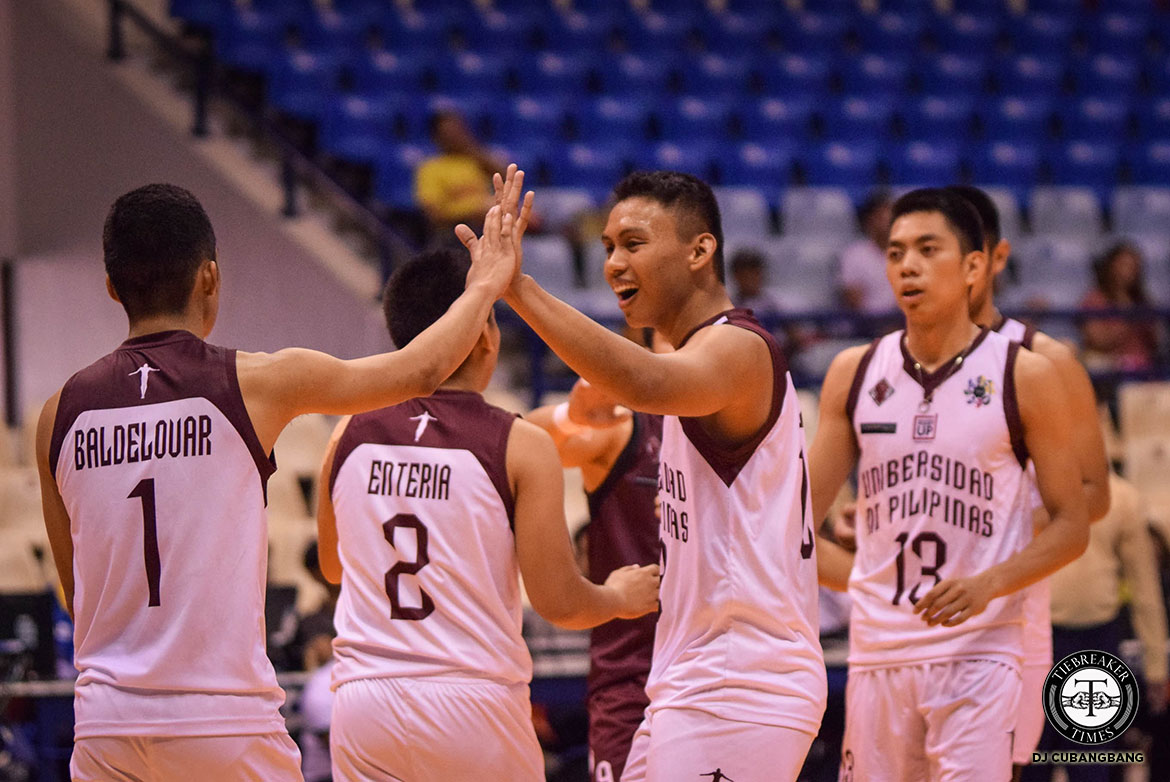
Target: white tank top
[[1038, 597], [430, 583], [737, 636], [164, 481], [942, 493]]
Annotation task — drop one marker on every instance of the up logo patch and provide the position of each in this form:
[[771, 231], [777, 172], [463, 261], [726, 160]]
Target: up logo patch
[[979, 391]]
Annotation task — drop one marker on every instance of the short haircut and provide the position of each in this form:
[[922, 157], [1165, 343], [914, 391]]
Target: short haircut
[[421, 290], [154, 240], [437, 116], [986, 209], [748, 258], [961, 216], [694, 204]]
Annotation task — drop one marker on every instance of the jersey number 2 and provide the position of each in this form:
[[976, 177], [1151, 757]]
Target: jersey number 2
[[145, 492], [407, 568]]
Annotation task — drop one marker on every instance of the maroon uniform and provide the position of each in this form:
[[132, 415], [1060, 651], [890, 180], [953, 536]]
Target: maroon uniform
[[623, 530]]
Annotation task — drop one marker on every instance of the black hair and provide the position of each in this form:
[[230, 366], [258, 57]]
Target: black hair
[[154, 240], [683, 193], [874, 201], [960, 215], [437, 116], [421, 290], [986, 209], [1103, 273], [748, 258]]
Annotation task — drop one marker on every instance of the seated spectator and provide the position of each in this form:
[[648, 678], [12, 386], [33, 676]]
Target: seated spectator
[[454, 186], [1118, 343], [747, 274], [861, 271]]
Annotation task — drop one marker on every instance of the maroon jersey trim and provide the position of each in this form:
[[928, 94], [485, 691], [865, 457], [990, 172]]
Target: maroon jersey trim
[[76, 398], [930, 381], [474, 433], [1011, 406], [1029, 332], [728, 461], [624, 461], [859, 379]]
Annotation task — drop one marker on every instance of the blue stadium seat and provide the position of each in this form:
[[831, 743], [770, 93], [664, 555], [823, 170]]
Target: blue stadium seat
[[790, 73], [1090, 162], [1012, 165], [810, 31], [387, 71], [1044, 262], [344, 34], [660, 32], [859, 118], [351, 121], [577, 32], [514, 31], [929, 162], [891, 32], [1116, 74], [528, 118], [852, 166], [695, 156], [1095, 117], [1068, 211], [632, 74], [549, 259], [607, 118], [1118, 32], [1022, 117], [596, 168], [1153, 117], [803, 270], [252, 39], [817, 211], [1031, 74], [875, 73], [394, 173], [766, 166], [472, 73], [952, 73], [732, 31], [692, 116], [559, 206], [743, 211], [939, 116], [554, 74], [717, 74], [417, 30], [302, 82], [1010, 220], [972, 34], [1044, 33], [1141, 208], [767, 120], [1149, 162], [1157, 71]]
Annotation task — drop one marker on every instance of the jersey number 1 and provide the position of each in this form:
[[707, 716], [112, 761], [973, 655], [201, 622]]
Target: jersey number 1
[[940, 559], [407, 568], [145, 492]]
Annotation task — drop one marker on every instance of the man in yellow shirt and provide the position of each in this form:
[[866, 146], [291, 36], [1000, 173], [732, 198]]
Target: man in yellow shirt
[[454, 186]]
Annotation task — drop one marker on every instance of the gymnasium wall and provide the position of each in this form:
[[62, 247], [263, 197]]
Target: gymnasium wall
[[80, 138]]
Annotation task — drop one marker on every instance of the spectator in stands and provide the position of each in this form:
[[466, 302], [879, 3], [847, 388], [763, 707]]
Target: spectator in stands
[[1117, 343], [747, 274], [454, 186], [1086, 609], [861, 272]]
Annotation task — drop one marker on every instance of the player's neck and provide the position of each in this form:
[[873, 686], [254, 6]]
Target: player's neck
[[701, 306], [932, 345], [471, 376], [153, 324], [988, 315]]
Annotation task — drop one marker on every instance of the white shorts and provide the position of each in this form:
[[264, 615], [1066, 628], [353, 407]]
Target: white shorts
[[268, 757], [441, 729], [673, 744], [943, 722], [1030, 715]]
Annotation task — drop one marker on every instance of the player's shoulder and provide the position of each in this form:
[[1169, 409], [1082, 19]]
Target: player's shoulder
[[845, 364], [1034, 368], [531, 451], [1052, 348]]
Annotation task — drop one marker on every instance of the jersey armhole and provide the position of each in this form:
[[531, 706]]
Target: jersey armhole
[[858, 379], [1011, 406]]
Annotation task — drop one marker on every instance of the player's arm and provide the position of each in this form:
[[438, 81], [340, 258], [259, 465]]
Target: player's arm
[[1044, 414], [1139, 566], [57, 523], [555, 586], [588, 430], [715, 370], [1088, 441], [831, 459], [327, 554]]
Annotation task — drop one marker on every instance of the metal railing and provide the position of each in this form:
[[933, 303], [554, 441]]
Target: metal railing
[[297, 167]]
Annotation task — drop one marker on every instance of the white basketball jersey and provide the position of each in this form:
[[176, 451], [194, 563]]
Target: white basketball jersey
[[164, 482], [430, 583], [737, 636], [942, 493], [1038, 597]]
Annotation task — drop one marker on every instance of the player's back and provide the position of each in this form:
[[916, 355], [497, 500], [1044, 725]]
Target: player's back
[[424, 509], [164, 479]]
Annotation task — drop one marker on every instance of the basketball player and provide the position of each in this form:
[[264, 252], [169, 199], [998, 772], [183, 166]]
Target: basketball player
[[617, 452], [940, 420], [153, 465], [738, 680], [1089, 447], [431, 506]]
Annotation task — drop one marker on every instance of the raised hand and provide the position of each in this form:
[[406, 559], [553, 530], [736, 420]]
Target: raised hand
[[494, 260], [507, 190], [589, 406], [637, 588]]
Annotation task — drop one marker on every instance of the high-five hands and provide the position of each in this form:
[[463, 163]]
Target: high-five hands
[[507, 191], [493, 257]]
